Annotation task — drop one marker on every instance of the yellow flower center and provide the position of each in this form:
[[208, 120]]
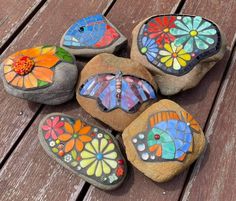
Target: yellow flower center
[[193, 33], [174, 55], [23, 65], [166, 30]]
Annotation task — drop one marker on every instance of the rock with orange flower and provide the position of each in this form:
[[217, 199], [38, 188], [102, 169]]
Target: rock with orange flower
[[178, 49], [45, 74], [87, 150], [163, 141], [115, 90]]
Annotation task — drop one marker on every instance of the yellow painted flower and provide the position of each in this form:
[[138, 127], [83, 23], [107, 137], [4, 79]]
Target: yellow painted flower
[[174, 57], [98, 157]]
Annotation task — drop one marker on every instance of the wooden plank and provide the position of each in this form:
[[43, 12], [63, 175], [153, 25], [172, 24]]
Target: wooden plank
[[13, 14], [197, 101], [29, 173], [213, 177]]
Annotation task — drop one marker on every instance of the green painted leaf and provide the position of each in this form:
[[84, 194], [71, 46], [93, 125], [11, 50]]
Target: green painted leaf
[[64, 55], [107, 137], [55, 150], [74, 163], [42, 83], [74, 154]]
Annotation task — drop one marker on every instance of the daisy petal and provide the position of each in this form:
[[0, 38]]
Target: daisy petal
[[33, 80], [43, 74], [196, 22], [46, 60], [92, 168], [69, 145], [106, 168], [86, 154], [86, 162], [181, 40], [103, 144], [64, 137], [77, 125], [188, 47], [111, 163], [188, 22], [203, 26], [85, 130], [98, 172], [109, 148], [201, 44], [90, 148], [208, 32], [68, 127], [79, 145], [32, 52], [112, 155], [10, 76], [176, 64]]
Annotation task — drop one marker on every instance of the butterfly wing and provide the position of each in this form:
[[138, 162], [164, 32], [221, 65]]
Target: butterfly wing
[[85, 32], [135, 91], [103, 88]]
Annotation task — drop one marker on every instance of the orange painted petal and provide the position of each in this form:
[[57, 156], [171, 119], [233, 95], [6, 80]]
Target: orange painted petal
[[15, 81], [33, 80], [32, 52], [20, 82], [68, 128], [85, 130], [43, 74], [69, 145], [46, 60], [10, 76], [15, 55], [48, 50], [64, 137], [77, 126], [7, 69], [85, 138], [79, 145], [27, 83], [8, 62]]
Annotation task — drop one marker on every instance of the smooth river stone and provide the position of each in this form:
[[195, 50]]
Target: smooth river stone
[[45, 74], [115, 90], [86, 150], [92, 35], [178, 49], [163, 141]]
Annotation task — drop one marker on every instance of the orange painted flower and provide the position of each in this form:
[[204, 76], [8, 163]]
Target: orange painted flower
[[75, 136], [31, 68]]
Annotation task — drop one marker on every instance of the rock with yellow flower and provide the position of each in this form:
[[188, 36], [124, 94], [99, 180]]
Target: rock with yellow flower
[[86, 150], [45, 74]]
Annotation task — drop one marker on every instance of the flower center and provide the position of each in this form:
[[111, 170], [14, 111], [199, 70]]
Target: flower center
[[157, 136], [23, 65], [193, 33], [144, 50], [166, 30], [99, 156], [75, 135], [174, 55]]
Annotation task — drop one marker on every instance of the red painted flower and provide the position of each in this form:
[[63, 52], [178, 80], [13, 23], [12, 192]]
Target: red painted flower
[[120, 171], [159, 29], [53, 128]]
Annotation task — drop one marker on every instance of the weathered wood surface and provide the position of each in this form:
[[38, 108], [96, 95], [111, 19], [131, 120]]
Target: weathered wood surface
[[29, 173], [214, 175], [197, 101], [12, 14]]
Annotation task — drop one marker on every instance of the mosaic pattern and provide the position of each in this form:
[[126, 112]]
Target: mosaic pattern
[[86, 149], [34, 68], [90, 32], [118, 91], [169, 137], [175, 44]]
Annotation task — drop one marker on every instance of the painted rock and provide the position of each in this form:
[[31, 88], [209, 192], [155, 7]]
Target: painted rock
[[92, 35], [178, 49], [45, 74], [115, 90], [86, 150], [163, 141]]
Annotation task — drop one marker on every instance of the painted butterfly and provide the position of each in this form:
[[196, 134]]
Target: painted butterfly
[[113, 91]]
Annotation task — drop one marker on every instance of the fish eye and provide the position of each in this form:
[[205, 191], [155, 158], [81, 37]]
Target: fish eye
[[81, 29]]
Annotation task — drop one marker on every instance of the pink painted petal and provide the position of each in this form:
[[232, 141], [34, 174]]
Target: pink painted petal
[[53, 134], [59, 131], [49, 122], [60, 124], [54, 121], [46, 128], [47, 135]]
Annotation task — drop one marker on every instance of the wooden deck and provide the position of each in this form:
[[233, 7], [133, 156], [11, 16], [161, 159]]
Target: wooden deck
[[27, 173]]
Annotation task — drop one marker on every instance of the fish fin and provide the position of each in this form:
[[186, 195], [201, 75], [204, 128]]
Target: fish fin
[[192, 122], [153, 148], [182, 157], [191, 148], [162, 116], [159, 151]]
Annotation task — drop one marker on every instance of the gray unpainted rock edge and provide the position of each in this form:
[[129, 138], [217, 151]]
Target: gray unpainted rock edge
[[87, 179]]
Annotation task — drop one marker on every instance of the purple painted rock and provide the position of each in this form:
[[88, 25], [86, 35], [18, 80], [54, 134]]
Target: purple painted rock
[[85, 149], [115, 90], [178, 49], [92, 35]]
